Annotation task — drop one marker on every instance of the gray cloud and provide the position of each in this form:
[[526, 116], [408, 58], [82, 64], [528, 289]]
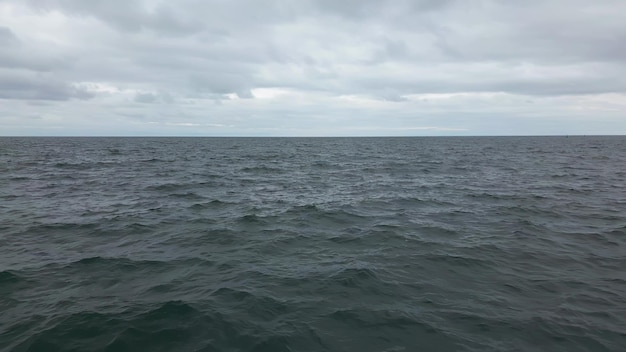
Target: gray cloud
[[313, 59], [146, 98], [355, 9], [123, 14], [185, 18], [25, 86], [7, 37], [152, 98], [222, 83], [22, 59]]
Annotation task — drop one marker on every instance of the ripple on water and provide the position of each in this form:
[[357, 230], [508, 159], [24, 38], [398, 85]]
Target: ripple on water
[[389, 244]]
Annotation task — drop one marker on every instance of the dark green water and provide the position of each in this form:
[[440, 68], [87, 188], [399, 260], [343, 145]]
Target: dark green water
[[321, 244]]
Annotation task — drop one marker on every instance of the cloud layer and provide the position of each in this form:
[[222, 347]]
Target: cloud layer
[[312, 67]]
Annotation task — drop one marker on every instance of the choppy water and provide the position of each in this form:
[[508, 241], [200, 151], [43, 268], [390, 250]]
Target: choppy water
[[338, 244]]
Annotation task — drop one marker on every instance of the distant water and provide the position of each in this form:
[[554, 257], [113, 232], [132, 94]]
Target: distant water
[[320, 244]]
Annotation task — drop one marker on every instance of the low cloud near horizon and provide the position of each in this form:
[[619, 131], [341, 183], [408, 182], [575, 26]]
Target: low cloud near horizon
[[312, 67]]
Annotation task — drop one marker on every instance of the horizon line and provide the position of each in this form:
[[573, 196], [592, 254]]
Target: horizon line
[[320, 136]]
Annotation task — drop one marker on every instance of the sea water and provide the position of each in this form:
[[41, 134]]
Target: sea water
[[313, 244]]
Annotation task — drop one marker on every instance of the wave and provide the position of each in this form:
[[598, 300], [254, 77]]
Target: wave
[[117, 266], [312, 213], [173, 325], [8, 277], [86, 165], [259, 307], [60, 228], [356, 278], [168, 187], [378, 329], [187, 196], [214, 204], [262, 170]]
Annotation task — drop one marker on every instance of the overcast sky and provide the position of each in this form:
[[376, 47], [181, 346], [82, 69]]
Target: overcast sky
[[312, 67]]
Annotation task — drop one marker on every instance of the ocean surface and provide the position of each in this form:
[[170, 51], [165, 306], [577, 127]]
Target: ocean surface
[[313, 244]]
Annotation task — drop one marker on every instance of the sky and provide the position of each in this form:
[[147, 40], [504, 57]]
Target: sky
[[312, 67]]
